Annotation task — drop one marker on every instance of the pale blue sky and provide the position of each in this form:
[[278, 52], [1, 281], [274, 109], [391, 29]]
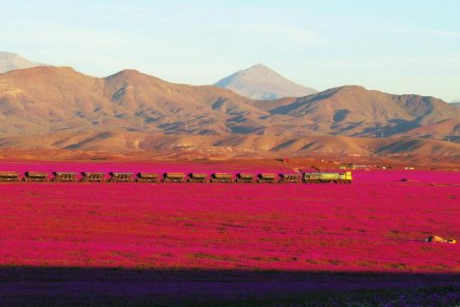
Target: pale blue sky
[[397, 46]]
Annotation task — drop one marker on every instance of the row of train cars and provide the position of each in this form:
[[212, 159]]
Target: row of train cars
[[304, 177]]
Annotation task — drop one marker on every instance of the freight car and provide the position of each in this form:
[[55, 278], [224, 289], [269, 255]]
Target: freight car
[[173, 177], [222, 178], [121, 177], [93, 177], [64, 177], [36, 177], [267, 178], [147, 177], [7, 176], [197, 177], [244, 178], [290, 178]]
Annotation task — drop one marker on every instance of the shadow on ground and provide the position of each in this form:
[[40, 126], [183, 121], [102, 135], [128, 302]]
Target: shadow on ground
[[30, 286]]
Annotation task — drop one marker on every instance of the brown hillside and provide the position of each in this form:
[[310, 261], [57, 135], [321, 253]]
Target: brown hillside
[[232, 145], [355, 111], [47, 99], [448, 129]]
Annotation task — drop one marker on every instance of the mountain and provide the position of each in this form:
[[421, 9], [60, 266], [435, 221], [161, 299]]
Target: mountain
[[60, 108], [356, 111], [261, 83], [11, 61], [49, 99], [456, 103]]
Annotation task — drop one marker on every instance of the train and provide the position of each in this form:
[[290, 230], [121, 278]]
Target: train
[[179, 177]]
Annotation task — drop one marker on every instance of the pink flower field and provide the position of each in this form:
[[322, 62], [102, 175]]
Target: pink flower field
[[189, 244], [376, 224]]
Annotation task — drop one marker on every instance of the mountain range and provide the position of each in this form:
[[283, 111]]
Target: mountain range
[[60, 108]]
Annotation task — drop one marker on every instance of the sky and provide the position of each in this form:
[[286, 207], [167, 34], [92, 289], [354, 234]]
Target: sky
[[399, 47]]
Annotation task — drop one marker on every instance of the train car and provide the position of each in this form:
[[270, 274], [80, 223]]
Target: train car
[[267, 178], [197, 177], [221, 178], [64, 177], [121, 177], [36, 177], [9, 176], [93, 177], [290, 178], [147, 177], [244, 178], [173, 177]]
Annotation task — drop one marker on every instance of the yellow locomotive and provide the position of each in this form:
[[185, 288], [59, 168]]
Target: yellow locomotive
[[324, 177]]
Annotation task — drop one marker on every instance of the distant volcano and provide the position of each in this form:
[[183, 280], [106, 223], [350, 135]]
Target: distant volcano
[[12, 61], [262, 83]]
